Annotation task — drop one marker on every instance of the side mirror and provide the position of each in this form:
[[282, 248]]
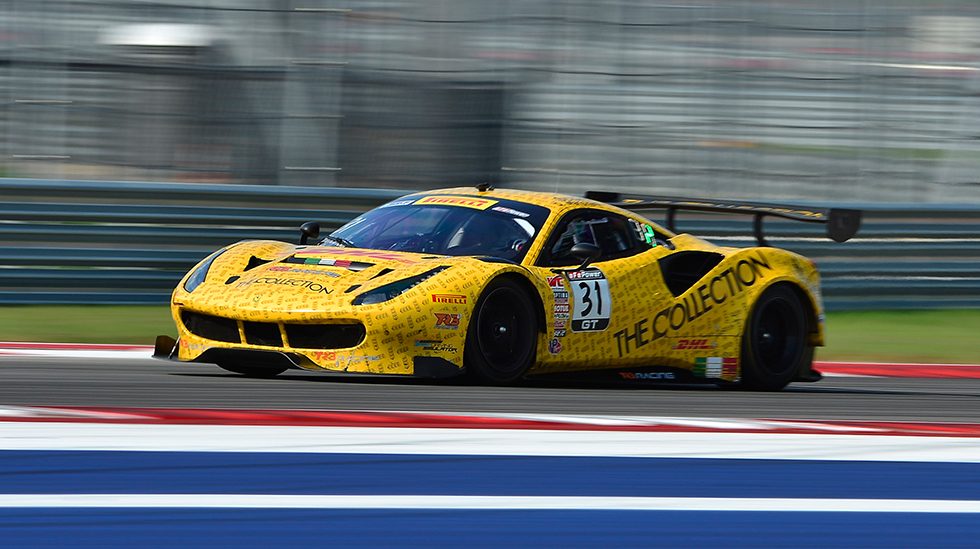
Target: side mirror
[[310, 229], [586, 253]]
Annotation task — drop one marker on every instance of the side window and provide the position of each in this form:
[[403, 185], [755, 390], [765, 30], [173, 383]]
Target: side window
[[647, 234], [614, 234]]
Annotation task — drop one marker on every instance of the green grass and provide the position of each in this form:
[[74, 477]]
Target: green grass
[[873, 336], [903, 336], [85, 323]]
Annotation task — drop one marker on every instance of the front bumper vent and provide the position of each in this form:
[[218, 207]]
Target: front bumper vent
[[268, 334], [210, 327], [324, 336], [262, 333]]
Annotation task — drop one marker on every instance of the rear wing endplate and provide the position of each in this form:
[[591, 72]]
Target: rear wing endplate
[[841, 223]]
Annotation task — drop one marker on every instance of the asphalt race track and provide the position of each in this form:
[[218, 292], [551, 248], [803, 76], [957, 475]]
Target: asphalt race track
[[98, 382], [108, 447]]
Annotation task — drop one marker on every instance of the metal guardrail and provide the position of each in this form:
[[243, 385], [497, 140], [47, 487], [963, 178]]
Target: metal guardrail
[[82, 242]]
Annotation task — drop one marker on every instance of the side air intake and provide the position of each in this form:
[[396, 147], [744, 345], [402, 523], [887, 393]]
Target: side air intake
[[682, 270]]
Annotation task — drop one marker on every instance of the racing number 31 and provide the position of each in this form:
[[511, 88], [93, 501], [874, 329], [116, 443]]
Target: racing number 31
[[591, 302]]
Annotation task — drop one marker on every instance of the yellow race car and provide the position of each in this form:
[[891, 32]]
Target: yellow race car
[[506, 284]]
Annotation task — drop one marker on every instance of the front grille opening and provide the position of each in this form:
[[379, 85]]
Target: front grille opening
[[262, 333], [324, 336], [210, 327]]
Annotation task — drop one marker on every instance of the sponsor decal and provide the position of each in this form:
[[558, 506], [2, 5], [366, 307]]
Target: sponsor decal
[[293, 282], [398, 203], [447, 321], [435, 345], [556, 283], [562, 316], [324, 356], [591, 300], [715, 367], [554, 346], [280, 268], [638, 337], [647, 375], [510, 211], [184, 344], [328, 262], [463, 201], [588, 274], [454, 299], [305, 256], [559, 333], [644, 232], [561, 308], [560, 294], [355, 358], [728, 283], [689, 344], [559, 324]]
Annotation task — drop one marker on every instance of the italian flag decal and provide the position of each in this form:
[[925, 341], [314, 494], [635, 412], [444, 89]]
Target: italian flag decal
[[716, 367]]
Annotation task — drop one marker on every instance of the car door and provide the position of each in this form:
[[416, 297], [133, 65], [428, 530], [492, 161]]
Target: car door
[[599, 316]]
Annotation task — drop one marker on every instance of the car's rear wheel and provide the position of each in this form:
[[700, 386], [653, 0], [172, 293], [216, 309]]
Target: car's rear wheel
[[502, 339], [774, 343], [253, 371]]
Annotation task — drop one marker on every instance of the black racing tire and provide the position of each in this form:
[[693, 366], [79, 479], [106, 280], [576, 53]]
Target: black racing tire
[[774, 343], [502, 338], [254, 371]]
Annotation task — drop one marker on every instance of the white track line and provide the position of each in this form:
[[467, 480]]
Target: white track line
[[266, 501], [80, 353], [511, 442]]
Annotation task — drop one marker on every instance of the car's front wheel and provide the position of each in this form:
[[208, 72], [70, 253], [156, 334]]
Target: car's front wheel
[[774, 343], [502, 338]]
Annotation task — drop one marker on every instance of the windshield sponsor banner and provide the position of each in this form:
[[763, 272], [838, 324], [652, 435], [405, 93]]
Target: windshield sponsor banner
[[462, 201]]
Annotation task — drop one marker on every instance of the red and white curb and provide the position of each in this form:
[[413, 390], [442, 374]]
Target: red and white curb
[[76, 350], [830, 369], [354, 432], [884, 369]]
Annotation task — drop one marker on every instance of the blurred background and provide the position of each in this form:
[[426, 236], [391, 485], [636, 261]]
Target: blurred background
[[792, 100]]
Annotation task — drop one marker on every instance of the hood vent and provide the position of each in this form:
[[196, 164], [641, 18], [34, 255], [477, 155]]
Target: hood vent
[[254, 262]]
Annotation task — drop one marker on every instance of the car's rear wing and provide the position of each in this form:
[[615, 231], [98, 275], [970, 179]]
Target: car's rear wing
[[841, 223]]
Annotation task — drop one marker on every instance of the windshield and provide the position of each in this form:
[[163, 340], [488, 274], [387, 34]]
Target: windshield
[[447, 225]]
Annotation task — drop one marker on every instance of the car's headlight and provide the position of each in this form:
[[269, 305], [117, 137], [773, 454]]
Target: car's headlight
[[200, 272], [393, 290]]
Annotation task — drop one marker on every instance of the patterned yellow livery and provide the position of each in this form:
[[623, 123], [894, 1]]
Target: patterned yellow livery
[[503, 285]]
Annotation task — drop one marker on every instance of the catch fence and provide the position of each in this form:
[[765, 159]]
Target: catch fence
[[85, 242]]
